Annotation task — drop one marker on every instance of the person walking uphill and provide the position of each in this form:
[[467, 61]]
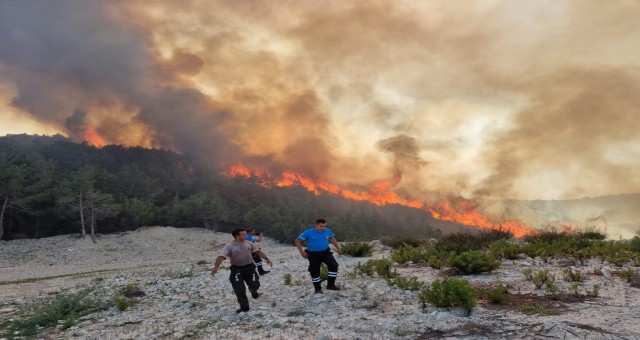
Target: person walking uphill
[[243, 270], [318, 252]]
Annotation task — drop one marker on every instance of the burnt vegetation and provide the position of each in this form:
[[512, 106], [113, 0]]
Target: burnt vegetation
[[50, 185]]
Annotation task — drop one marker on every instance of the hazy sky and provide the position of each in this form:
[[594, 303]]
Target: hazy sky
[[484, 99]]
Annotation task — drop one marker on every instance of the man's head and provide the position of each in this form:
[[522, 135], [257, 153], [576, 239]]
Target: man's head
[[250, 231], [239, 234], [321, 224]]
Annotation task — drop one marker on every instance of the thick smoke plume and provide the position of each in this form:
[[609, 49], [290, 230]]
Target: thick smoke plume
[[518, 99]]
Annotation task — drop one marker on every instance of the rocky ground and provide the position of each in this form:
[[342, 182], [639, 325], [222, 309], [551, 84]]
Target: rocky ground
[[182, 300]]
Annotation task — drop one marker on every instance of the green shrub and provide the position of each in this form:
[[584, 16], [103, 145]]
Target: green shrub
[[403, 282], [594, 291], [66, 307], [575, 289], [366, 268], [535, 309], [438, 259], [287, 279], [461, 242], [357, 249], [573, 276], [383, 268], [582, 255], [627, 274], [449, 292], [122, 303], [546, 234], [398, 242], [474, 262], [552, 289], [592, 233], [410, 254], [380, 266], [539, 279], [634, 244], [503, 249], [496, 296]]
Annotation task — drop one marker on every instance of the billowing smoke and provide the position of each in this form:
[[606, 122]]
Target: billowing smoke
[[518, 99]]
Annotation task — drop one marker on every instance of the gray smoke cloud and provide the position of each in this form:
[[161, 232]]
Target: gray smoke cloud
[[75, 64], [519, 100]]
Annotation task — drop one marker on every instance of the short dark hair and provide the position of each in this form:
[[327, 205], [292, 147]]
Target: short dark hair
[[249, 229], [237, 232], [320, 220]]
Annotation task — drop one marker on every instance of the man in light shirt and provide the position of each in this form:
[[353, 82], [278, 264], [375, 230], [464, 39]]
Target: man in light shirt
[[243, 269]]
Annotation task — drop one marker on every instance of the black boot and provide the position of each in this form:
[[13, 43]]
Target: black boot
[[317, 287], [263, 272], [331, 284]]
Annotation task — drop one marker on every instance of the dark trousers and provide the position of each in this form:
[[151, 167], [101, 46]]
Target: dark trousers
[[316, 258], [258, 260], [241, 275]]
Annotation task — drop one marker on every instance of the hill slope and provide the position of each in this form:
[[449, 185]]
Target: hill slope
[[183, 301]]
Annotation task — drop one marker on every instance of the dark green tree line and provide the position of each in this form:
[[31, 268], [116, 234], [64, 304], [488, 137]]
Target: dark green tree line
[[50, 185]]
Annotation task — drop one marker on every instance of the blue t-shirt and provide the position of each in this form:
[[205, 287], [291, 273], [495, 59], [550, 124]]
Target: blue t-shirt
[[249, 237], [316, 240]]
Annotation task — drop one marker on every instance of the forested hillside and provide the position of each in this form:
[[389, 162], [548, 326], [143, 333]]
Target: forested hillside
[[50, 185]]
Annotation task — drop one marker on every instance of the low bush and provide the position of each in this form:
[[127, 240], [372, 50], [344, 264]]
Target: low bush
[[403, 282], [592, 233], [573, 275], [449, 292], [122, 303], [627, 274], [539, 279], [357, 249], [503, 249], [410, 254], [595, 290], [535, 309], [574, 289], [634, 244], [398, 242], [474, 262], [287, 279], [496, 296], [382, 267], [461, 242], [438, 259], [65, 307]]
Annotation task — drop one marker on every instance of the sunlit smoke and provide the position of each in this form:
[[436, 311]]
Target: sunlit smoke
[[500, 100]]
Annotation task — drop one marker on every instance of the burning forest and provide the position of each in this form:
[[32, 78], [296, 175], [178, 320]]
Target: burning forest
[[447, 109]]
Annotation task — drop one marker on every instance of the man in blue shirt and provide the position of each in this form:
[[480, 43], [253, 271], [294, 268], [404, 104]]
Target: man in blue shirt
[[251, 236], [318, 252]]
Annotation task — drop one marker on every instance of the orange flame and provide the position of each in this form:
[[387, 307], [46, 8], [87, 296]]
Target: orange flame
[[463, 211], [91, 136]]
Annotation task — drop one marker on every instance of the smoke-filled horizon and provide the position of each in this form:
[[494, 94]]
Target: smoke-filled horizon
[[484, 99]]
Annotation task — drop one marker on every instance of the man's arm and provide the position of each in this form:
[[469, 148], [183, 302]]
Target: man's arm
[[219, 260], [298, 243], [264, 256], [337, 245]]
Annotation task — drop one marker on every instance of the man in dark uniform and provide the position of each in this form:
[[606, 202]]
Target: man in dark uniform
[[318, 252], [243, 270]]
